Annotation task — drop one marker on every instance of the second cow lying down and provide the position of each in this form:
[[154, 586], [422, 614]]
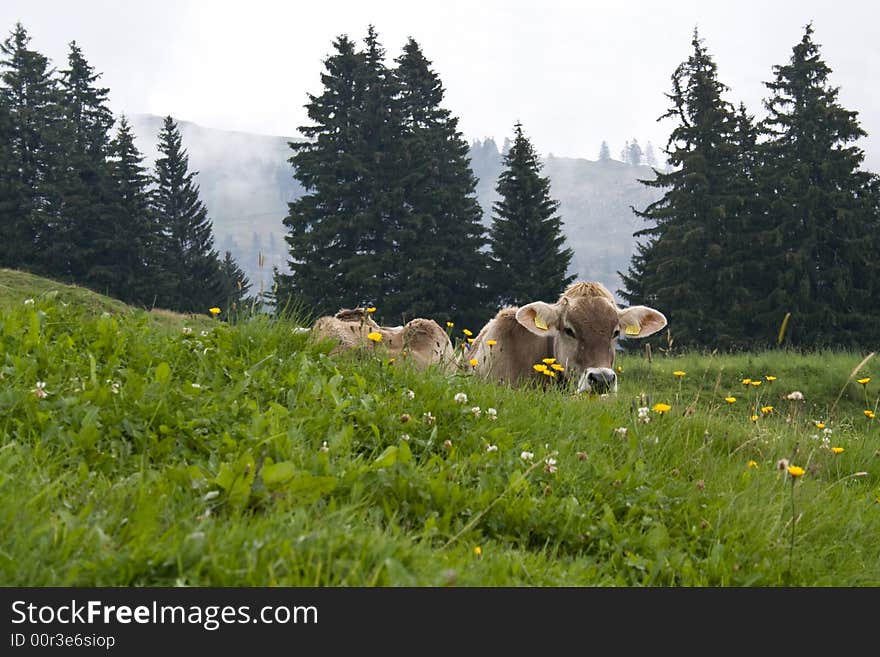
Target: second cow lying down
[[579, 331], [420, 340]]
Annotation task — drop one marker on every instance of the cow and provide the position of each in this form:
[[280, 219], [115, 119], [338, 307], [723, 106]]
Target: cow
[[420, 340], [579, 331]]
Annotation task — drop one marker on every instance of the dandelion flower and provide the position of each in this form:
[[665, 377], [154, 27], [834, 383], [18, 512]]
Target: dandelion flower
[[371, 309], [539, 367], [547, 372], [557, 367], [374, 337], [619, 369], [819, 424], [869, 414], [473, 362], [478, 550], [755, 383], [796, 471], [766, 410], [746, 382], [491, 343], [752, 464], [548, 361], [754, 418], [864, 381], [660, 407], [678, 373], [837, 450], [461, 398], [770, 378], [214, 311], [467, 332], [450, 324], [730, 400], [470, 340]]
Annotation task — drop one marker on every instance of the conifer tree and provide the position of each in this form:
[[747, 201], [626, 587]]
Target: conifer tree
[[677, 270], [604, 152], [819, 226], [133, 240], [81, 209], [30, 100], [440, 268], [234, 283], [191, 265], [529, 258]]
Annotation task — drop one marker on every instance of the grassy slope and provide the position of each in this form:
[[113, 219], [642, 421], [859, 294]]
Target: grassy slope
[[242, 455]]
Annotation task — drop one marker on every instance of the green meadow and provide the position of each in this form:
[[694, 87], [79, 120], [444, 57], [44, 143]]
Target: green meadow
[[154, 449]]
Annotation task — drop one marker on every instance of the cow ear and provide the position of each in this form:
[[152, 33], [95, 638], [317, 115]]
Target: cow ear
[[538, 317], [640, 321]]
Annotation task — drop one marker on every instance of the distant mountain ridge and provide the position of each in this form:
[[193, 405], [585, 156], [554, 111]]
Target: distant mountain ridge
[[246, 181]]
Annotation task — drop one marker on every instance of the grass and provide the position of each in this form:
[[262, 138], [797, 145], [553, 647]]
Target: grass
[[176, 450]]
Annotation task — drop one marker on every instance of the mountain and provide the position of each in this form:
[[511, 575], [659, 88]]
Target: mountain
[[246, 181]]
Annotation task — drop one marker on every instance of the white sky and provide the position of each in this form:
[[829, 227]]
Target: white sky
[[574, 72]]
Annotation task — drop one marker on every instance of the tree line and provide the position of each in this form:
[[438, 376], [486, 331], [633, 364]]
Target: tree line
[[768, 231], [390, 216], [77, 203]]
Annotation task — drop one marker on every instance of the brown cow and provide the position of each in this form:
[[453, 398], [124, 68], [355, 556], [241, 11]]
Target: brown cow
[[420, 340], [580, 331]]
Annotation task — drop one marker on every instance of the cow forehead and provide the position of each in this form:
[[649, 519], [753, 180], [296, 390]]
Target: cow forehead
[[592, 315]]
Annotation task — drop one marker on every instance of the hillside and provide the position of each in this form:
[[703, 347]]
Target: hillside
[[246, 183], [197, 452]]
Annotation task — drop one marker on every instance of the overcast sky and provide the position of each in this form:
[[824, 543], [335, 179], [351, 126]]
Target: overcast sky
[[573, 72]]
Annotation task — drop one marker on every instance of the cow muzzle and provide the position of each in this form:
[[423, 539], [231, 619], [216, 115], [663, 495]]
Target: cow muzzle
[[598, 380]]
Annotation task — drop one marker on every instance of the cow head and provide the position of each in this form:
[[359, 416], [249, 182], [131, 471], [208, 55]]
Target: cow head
[[584, 332]]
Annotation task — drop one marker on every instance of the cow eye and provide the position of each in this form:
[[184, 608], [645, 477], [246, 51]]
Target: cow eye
[[616, 333], [569, 331]]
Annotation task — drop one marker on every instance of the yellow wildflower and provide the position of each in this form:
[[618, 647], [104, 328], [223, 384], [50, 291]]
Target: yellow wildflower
[[770, 378], [375, 337], [478, 550], [473, 362], [470, 340], [548, 361], [558, 367], [819, 425], [754, 418], [837, 450], [678, 373], [547, 372], [755, 383], [539, 367], [371, 309], [795, 471], [730, 400], [214, 311], [466, 332], [660, 407], [752, 464], [869, 414], [449, 324], [746, 382], [491, 343], [766, 410], [864, 381]]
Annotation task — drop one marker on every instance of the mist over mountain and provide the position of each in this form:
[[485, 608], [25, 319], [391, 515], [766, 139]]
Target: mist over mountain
[[246, 181]]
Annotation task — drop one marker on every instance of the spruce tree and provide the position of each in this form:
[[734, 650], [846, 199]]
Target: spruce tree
[[529, 258], [820, 221], [439, 265], [604, 152], [677, 270], [191, 266], [133, 240], [30, 104], [234, 283], [81, 213]]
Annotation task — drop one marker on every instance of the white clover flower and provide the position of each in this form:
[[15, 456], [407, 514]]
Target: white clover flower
[[827, 431], [40, 390], [826, 442], [114, 387], [550, 465], [526, 456], [491, 413], [476, 411], [491, 448], [187, 330], [325, 447], [620, 431], [644, 414], [197, 386], [796, 395], [460, 397], [29, 302], [429, 418], [405, 437], [410, 394]]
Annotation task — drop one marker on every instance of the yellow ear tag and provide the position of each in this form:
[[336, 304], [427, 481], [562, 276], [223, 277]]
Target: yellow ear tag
[[540, 323], [633, 329]]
